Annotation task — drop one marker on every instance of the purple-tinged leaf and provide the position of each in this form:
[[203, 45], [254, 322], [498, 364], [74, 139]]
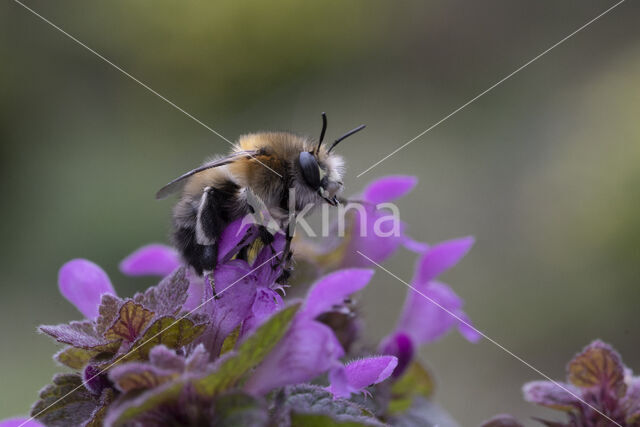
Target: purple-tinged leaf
[[132, 320], [163, 357], [598, 365], [151, 260], [140, 376], [109, 310], [64, 403], [168, 331], [168, 297], [501, 420], [78, 334], [546, 393], [95, 380], [83, 283]]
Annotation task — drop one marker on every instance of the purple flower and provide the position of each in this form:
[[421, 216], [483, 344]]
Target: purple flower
[[151, 260], [371, 233], [356, 375], [83, 283], [368, 228], [431, 308], [24, 422], [596, 378], [309, 348]]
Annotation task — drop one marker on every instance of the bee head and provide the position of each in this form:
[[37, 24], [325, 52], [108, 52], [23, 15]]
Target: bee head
[[321, 170]]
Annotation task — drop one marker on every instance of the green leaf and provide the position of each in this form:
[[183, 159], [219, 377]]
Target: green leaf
[[422, 413], [167, 331], [65, 402], [98, 415], [239, 409], [249, 354], [416, 380], [147, 401], [312, 405], [78, 358], [230, 371], [318, 420]]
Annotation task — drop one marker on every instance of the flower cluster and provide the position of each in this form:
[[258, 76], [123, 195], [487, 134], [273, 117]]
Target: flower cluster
[[230, 348], [600, 391]]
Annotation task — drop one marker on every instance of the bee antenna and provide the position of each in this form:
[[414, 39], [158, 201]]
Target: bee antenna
[[324, 129], [345, 136]]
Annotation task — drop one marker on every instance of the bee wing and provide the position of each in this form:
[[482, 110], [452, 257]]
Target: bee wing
[[177, 183]]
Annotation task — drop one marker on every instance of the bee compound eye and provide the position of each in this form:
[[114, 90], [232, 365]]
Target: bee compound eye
[[310, 169]]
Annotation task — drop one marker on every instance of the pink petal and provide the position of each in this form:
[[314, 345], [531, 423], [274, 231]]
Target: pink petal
[[467, 329], [83, 283], [376, 246], [151, 260], [333, 289], [24, 422], [389, 188], [361, 373], [429, 313], [308, 350], [371, 370], [442, 257]]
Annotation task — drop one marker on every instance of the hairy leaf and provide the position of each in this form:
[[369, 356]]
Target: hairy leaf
[[78, 358], [599, 365], [108, 312], [168, 297], [66, 402], [319, 420], [309, 405], [239, 409], [78, 334], [166, 331], [132, 320]]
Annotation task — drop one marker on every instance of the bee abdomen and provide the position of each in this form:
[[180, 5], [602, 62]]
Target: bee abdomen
[[199, 224]]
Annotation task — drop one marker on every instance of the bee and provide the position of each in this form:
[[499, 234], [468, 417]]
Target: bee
[[286, 172]]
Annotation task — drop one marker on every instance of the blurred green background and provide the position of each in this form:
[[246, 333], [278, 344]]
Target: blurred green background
[[543, 170]]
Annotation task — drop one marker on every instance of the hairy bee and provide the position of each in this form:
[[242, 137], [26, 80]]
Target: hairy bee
[[273, 167]]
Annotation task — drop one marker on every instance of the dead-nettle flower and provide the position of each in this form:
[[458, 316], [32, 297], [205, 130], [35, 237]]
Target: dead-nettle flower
[[362, 227], [229, 348], [369, 214], [431, 308], [600, 391]]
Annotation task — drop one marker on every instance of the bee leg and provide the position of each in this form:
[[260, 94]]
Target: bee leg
[[216, 297], [287, 253]]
